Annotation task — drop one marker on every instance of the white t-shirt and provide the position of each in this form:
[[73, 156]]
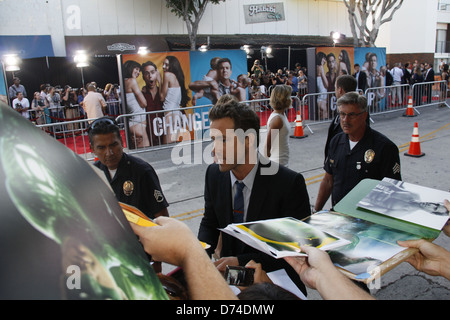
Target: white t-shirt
[[93, 103], [25, 105]]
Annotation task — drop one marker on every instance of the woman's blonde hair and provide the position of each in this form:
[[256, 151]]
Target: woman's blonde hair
[[280, 98]]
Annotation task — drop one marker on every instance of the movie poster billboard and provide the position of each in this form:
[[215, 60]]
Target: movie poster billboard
[[172, 87], [331, 62], [372, 61], [63, 235]]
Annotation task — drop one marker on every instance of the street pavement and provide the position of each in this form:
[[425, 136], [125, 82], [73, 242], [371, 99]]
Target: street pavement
[[183, 184]]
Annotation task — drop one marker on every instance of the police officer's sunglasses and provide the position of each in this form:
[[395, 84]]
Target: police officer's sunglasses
[[102, 122]]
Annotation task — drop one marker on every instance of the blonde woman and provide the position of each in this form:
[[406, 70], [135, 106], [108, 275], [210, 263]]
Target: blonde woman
[[278, 127]]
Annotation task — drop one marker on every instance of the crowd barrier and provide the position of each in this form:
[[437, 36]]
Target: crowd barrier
[[162, 129], [321, 107]]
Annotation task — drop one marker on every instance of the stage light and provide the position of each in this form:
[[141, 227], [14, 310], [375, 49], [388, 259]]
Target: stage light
[[81, 59], [203, 48], [143, 51], [11, 62]]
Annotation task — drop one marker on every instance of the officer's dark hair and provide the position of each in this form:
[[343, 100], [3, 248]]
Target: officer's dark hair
[[243, 117], [104, 125], [353, 98], [347, 82]]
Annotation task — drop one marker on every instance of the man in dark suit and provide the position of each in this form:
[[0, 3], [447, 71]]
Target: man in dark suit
[[270, 191], [428, 77], [361, 78]]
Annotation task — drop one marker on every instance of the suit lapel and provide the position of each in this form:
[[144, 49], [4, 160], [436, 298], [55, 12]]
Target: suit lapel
[[224, 197], [259, 191]]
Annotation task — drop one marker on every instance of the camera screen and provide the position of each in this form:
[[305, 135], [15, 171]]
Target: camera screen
[[239, 276]]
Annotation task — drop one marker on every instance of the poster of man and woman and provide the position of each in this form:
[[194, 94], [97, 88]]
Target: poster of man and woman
[[331, 62], [169, 84]]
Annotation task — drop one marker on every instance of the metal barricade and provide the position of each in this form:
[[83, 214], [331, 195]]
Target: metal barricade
[[162, 129], [113, 108], [156, 130], [318, 108], [74, 138], [387, 99], [429, 93]]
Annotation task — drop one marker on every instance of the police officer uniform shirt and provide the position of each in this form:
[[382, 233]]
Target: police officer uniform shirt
[[137, 184], [374, 157]]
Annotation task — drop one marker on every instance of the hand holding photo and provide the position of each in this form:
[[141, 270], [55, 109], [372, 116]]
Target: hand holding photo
[[283, 237]]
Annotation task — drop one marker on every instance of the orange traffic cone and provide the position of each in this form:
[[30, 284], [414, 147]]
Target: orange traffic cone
[[409, 111], [414, 146], [298, 133]]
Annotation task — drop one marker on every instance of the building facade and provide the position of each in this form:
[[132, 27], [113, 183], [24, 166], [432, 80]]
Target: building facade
[[418, 30]]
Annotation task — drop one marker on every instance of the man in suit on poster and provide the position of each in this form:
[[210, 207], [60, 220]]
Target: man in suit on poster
[[269, 190]]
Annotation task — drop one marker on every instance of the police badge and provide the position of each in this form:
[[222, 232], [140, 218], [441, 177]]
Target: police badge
[[128, 188], [369, 155]]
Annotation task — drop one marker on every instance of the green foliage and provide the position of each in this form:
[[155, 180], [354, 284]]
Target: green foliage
[[187, 8], [191, 11]]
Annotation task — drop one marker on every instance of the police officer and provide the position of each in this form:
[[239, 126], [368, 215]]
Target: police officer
[[357, 153], [133, 180]]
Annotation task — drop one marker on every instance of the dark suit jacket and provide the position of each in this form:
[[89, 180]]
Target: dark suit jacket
[[430, 76], [362, 80], [283, 194]]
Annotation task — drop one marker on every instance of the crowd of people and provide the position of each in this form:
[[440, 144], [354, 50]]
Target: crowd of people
[[245, 185], [262, 81], [56, 104]]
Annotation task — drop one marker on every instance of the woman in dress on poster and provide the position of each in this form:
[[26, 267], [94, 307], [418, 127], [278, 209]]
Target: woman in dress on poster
[[344, 66], [136, 103], [322, 85], [174, 94]]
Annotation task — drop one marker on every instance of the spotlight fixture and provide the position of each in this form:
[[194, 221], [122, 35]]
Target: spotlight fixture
[[248, 50], [203, 48], [81, 59], [337, 36], [143, 51], [12, 62]]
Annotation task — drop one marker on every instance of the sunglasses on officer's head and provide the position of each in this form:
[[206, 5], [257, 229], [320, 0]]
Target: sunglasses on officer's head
[[102, 121]]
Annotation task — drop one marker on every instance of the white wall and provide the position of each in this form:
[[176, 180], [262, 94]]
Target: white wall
[[111, 17], [412, 30], [34, 17]]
